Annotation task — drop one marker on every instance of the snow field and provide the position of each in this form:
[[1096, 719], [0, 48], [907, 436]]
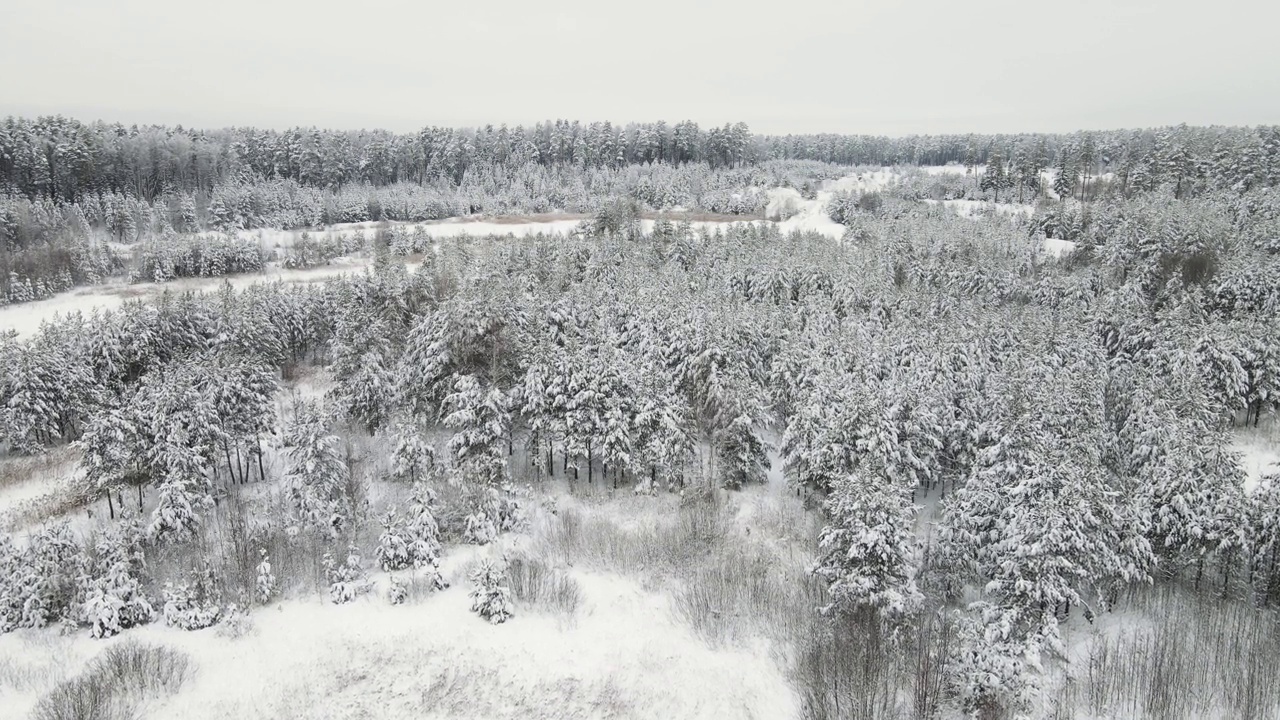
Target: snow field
[[626, 652]]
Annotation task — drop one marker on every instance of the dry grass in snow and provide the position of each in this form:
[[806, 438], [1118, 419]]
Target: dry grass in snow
[[1170, 653]]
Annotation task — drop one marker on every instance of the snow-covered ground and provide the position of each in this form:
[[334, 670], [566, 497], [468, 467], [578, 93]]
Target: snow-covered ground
[[1259, 450], [1058, 248], [622, 655], [27, 482], [26, 318], [624, 652]]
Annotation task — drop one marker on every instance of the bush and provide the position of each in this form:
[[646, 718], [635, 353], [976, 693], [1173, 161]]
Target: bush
[[535, 583], [393, 547], [870, 202], [236, 623], [40, 584], [113, 599], [116, 683]]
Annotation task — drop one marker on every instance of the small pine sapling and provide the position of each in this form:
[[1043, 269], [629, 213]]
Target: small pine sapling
[[424, 536], [195, 604], [393, 552], [347, 579], [491, 596], [112, 589], [265, 587], [480, 529], [397, 591]]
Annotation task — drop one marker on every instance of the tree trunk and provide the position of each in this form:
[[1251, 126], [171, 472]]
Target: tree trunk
[[231, 468], [262, 475], [110, 508], [139, 498], [590, 469]]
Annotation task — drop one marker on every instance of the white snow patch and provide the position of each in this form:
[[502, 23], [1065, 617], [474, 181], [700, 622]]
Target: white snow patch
[[1054, 247], [1259, 450], [950, 169]]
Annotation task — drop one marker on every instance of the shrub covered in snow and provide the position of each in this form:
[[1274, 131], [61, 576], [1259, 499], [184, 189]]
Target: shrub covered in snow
[[236, 623], [194, 604], [423, 536], [491, 596], [113, 599], [997, 668], [393, 546], [480, 529], [494, 510], [40, 584], [316, 475], [413, 456], [347, 580], [867, 553], [397, 591]]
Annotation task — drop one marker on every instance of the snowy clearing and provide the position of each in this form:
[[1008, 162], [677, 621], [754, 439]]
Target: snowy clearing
[[978, 209], [1058, 248], [622, 654]]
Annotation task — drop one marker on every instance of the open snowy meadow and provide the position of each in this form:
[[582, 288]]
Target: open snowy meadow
[[643, 421]]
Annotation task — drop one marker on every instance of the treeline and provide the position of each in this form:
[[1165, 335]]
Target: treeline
[[64, 159], [1212, 157], [49, 246]]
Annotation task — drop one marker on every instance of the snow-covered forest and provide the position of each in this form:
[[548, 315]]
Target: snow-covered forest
[[850, 427]]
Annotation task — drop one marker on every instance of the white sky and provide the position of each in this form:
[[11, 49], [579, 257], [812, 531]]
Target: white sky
[[797, 66]]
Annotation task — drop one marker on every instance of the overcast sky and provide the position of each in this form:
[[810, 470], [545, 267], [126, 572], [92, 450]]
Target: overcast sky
[[888, 67]]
